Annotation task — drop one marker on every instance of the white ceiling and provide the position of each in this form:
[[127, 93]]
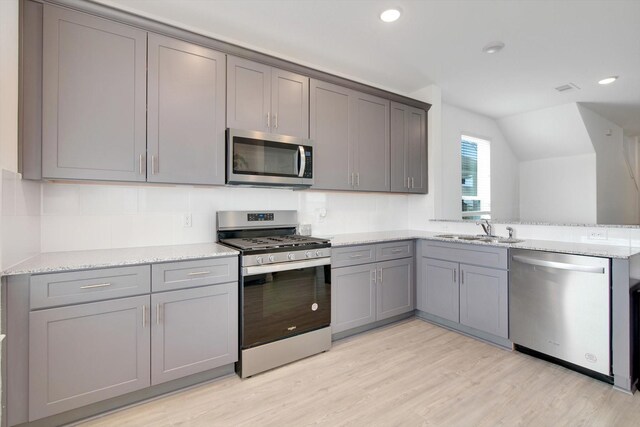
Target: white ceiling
[[548, 43]]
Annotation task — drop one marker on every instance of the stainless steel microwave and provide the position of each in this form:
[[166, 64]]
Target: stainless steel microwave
[[264, 159]]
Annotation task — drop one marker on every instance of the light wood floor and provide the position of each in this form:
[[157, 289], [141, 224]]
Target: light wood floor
[[410, 373]]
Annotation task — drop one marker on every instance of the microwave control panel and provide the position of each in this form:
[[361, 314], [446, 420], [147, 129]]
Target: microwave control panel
[[308, 169]]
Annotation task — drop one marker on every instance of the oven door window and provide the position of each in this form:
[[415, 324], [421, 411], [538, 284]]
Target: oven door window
[[257, 157], [283, 304]]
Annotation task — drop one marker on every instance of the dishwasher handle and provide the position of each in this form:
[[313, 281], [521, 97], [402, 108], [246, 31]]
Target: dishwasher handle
[[558, 265]]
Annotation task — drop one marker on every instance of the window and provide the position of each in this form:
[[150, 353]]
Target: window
[[476, 178]]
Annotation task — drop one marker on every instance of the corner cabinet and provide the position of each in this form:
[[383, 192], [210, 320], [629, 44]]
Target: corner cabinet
[[351, 134], [371, 284], [266, 99], [93, 97], [464, 287], [408, 149]]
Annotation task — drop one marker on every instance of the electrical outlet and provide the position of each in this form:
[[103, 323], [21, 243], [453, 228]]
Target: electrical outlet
[[598, 234], [187, 220]]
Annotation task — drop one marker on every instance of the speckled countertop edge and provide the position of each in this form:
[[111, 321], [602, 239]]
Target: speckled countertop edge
[[576, 248], [51, 262], [555, 224]]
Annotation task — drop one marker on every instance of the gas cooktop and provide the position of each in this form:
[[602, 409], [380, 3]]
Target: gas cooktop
[[272, 242]]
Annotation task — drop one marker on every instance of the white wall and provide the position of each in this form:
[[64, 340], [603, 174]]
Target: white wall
[[504, 165], [617, 196], [8, 84], [560, 190]]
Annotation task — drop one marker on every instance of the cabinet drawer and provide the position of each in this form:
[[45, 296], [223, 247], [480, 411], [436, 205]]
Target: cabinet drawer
[[484, 256], [49, 290], [394, 250], [353, 255], [188, 274]]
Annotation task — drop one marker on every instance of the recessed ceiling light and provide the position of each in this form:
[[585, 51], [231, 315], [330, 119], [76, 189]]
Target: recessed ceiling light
[[608, 80], [493, 47], [390, 15]]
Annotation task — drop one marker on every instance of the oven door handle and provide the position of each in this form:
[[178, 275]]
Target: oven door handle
[[302, 162], [274, 268]]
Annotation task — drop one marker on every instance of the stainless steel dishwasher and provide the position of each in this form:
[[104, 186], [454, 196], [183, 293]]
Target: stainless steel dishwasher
[[559, 305]]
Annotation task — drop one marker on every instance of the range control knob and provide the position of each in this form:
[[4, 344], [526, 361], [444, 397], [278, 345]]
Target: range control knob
[[318, 253], [291, 256], [272, 258], [308, 254], [259, 260]]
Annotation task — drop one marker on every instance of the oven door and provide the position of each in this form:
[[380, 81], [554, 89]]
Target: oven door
[[279, 301], [257, 158]]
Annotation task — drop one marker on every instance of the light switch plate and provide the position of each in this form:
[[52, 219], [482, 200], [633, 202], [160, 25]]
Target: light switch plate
[[597, 234]]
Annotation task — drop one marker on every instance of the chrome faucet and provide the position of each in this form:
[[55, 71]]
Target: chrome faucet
[[510, 230], [486, 226]]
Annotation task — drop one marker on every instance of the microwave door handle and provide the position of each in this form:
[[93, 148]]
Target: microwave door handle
[[303, 161]]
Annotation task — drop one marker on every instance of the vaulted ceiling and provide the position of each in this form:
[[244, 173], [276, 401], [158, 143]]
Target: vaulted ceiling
[[548, 44]]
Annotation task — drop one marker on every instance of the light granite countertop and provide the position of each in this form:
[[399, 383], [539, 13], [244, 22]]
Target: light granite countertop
[[606, 251], [50, 262]]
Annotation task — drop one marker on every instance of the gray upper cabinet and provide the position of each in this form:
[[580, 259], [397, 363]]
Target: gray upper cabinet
[[86, 353], [194, 330], [94, 98], [408, 149], [186, 117], [370, 161], [266, 99], [484, 299], [331, 129]]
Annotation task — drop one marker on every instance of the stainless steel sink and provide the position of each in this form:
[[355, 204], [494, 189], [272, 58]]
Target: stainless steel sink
[[485, 239]]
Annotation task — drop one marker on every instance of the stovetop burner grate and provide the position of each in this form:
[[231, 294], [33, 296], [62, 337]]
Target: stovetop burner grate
[[293, 240]]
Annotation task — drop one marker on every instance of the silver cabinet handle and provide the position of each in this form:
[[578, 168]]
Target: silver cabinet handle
[[303, 161], [380, 275], [408, 182], [462, 277], [412, 183], [158, 308], [375, 272], [353, 179], [144, 316], [198, 273], [396, 251], [154, 169], [558, 265], [355, 256], [268, 120], [358, 179], [99, 285], [275, 119], [140, 158], [454, 276]]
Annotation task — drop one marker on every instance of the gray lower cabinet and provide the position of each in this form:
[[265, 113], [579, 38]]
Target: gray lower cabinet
[[467, 285], [86, 353], [353, 297], [267, 99], [364, 291], [186, 113], [408, 149], [93, 97], [193, 330]]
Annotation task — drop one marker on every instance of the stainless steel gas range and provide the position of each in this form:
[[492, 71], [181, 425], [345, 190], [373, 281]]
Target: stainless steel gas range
[[285, 288]]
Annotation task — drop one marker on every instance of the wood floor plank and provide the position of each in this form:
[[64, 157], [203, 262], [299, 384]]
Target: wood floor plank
[[410, 373]]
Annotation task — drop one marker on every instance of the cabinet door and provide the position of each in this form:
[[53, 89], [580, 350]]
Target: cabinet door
[[94, 98], [416, 148], [193, 330], [484, 299], [331, 129], [248, 95], [371, 142], [353, 297], [85, 353], [395, 288], [440, 293], [186, 129], [408, 149], [289, 103]]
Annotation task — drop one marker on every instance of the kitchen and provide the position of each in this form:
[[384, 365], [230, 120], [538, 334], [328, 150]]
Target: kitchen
[[53, 217]]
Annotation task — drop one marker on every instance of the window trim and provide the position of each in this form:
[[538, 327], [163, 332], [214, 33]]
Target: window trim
[[473, 135]]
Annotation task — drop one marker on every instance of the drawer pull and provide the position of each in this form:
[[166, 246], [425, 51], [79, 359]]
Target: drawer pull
[[99, 285], [355, 256], [396, 251], [198, 273]]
